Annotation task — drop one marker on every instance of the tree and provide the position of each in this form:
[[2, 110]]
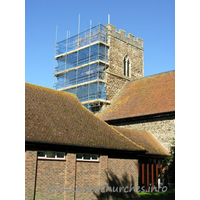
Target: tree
[[169, 162]]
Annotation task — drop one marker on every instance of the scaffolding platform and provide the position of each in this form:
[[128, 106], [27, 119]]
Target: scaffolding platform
[[81, 63]]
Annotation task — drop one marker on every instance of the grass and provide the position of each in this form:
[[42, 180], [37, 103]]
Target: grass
[[169, 195]]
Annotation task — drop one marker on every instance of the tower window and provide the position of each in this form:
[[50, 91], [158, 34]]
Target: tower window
[[127, 67]]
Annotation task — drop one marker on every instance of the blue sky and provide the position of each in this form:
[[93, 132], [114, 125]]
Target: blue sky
[[151, 20]]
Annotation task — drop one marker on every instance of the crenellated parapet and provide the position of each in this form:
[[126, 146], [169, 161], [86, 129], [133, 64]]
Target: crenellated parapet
[[121, 35]]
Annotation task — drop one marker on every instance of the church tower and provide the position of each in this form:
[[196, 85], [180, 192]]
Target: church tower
[[96, 63], [125, 57]]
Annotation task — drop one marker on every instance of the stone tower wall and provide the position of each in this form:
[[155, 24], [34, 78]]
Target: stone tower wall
[[121, 45]]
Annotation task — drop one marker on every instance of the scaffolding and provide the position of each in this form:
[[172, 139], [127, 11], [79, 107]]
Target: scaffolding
[[81, 63]]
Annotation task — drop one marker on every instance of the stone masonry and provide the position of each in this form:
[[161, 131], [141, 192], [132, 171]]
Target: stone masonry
[[163, 130], [121, 45]]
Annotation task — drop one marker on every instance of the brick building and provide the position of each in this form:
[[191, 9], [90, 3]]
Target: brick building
[[104, 69], [69, 148], [72, 153]]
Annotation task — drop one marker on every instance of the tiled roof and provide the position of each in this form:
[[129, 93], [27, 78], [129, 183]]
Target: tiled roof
[[57, 117], [145, 96], [144, 139]]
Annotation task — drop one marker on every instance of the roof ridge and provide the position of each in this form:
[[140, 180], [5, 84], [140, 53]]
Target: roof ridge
[[148, 95], [158, 141], [127, 138], [151, 75], [45, 105], [57, 91], [129, 129]]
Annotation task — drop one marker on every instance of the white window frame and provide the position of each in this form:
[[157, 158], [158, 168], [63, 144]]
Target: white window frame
[[45, 157], [82, 159]]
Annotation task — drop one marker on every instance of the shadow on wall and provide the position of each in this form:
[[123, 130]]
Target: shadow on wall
[[117, 188]]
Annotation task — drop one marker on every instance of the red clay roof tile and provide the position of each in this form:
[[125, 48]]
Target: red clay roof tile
[[59, 118], [144, 139], [145, 96]]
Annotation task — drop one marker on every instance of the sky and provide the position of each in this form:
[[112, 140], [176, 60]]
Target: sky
[[28, 44], [151, 20]]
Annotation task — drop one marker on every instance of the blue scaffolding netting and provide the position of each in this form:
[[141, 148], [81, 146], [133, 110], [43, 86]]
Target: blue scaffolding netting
[[95, 33], [81, 61], [82, 57]]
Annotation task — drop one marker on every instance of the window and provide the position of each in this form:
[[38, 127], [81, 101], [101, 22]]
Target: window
[[51, 155], [87, 157], [41, 154], [127, 67]]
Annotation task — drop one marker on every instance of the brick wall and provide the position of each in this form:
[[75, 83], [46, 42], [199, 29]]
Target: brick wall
[[103, 168], [71, 174], [50, 175], [120, 167], [30, 173], [87, 175], [119, 179]]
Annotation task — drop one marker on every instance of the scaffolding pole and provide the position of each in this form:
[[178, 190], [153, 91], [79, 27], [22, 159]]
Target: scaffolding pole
[[89, 65], [77, 51], [65, 60], [55, 53], [80, 62]]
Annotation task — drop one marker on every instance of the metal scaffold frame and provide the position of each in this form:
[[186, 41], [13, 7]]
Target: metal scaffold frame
[[81, 61]]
